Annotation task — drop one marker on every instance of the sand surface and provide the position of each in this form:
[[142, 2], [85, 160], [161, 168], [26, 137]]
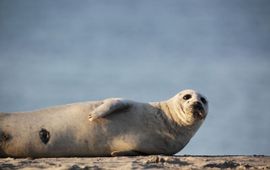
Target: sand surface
[[140, 162]]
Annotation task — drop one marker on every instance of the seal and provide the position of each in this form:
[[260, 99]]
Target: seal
[[110, 127]]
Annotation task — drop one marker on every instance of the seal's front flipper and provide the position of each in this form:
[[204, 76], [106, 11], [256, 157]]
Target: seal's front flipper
[[128, 153], [109, 106]]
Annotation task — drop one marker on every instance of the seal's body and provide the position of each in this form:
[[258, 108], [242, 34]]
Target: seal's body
[[112, 127]]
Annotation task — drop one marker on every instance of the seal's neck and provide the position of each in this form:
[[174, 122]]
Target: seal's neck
[[180, 128], [168, 110], [174, 114]]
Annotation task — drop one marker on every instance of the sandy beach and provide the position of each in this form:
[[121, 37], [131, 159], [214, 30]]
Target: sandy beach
[[141, 162]]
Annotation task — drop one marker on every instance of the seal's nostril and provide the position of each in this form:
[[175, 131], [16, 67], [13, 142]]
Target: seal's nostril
[[197, 105]]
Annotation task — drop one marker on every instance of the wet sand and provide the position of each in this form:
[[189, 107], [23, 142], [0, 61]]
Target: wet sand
[[141, 162]]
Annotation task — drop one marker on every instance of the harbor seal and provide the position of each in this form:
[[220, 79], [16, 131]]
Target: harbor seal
[[110, 127]]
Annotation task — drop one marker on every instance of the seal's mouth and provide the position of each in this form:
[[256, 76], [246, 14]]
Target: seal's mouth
[[196, 110], [199, 114]]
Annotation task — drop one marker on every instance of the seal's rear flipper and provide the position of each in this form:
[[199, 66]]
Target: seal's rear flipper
[[109, 106], [128, 153]]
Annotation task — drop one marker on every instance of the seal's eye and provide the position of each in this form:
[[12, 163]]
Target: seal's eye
[[203, 100], [187, 96]]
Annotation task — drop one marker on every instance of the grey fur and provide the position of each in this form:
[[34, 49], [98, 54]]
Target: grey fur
[[112, 127]]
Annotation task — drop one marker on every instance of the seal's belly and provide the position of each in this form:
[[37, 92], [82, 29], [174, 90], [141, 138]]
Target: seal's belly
[[50, 132], [66, 132]]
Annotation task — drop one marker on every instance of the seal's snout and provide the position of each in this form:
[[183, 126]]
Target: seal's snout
[[197, 106], [198, 110]]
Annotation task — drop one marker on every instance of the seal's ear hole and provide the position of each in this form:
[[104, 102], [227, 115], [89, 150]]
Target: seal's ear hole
[[44, 136], [187, 96]]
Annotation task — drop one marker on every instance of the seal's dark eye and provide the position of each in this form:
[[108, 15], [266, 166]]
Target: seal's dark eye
[[187, 96], [203, 100]]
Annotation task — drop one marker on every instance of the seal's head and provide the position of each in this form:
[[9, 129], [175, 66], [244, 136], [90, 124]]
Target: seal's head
[[191, 107]]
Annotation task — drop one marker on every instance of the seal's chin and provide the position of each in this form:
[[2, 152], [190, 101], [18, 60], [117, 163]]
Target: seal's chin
[[199, 114], [195, 114]]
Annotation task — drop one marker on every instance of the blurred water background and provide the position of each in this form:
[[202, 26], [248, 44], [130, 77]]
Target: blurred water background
[[58, 52]]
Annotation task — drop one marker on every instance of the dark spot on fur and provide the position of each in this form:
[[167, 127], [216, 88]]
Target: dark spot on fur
[[4, 137], [44, 136]]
